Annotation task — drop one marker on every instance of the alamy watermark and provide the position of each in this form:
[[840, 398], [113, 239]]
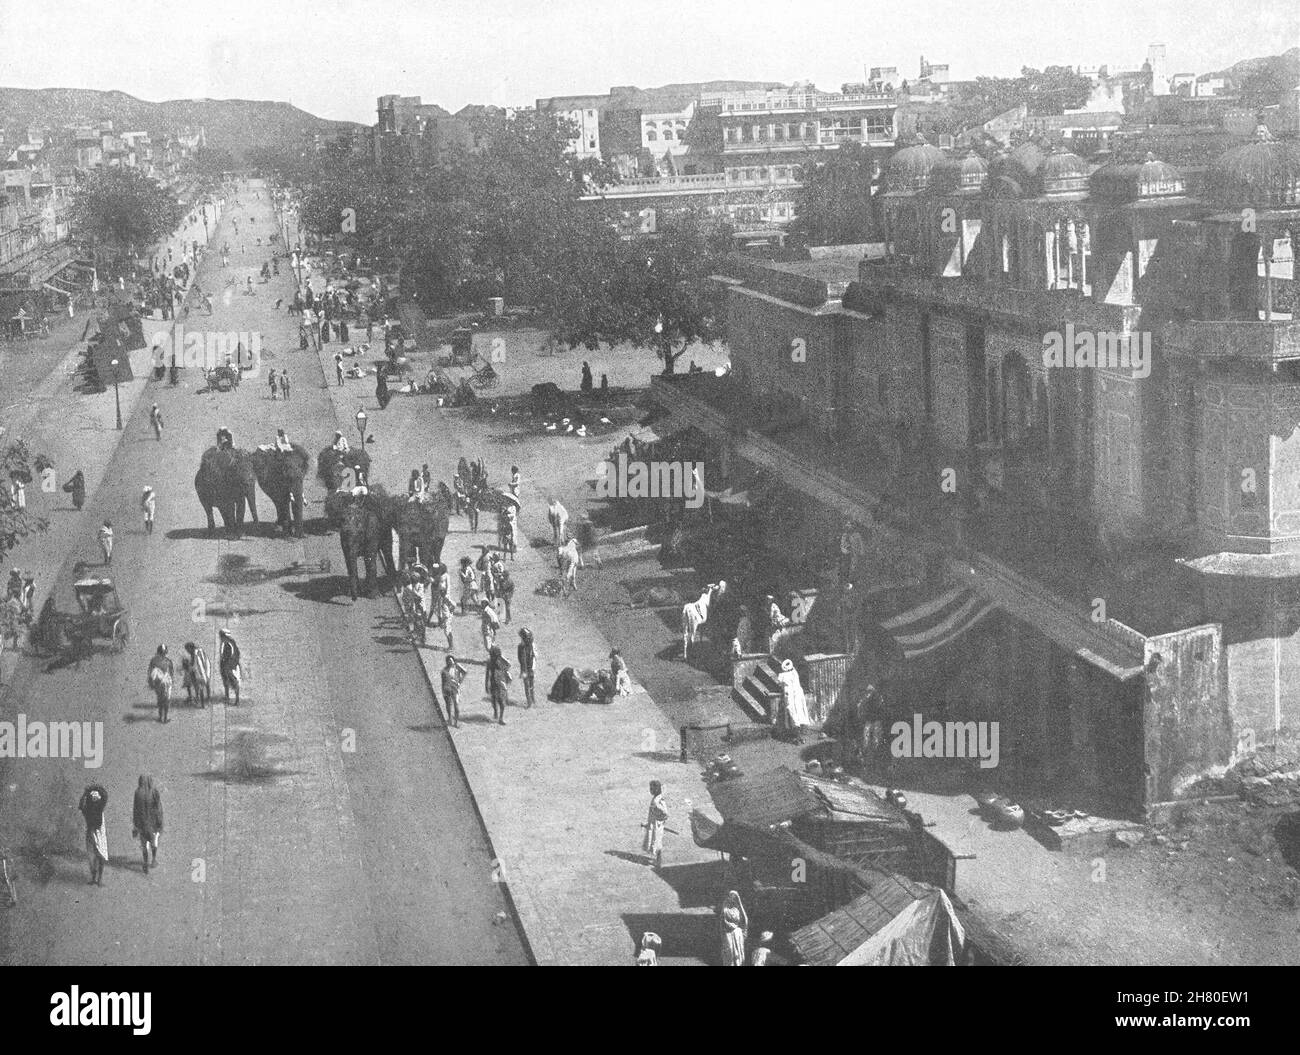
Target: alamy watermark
[[1098, 349], [921, 739], [204, 349], [39, 739], [624, 478]]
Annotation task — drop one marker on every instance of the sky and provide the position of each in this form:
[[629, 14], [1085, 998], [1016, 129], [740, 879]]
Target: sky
[[333, 58]]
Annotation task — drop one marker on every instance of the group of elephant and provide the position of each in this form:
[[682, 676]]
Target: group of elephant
[[228, 479]]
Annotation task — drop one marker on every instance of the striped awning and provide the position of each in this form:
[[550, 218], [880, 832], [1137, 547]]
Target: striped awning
[[937, 622]]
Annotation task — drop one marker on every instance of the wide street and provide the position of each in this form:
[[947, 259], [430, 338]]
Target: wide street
[[324, 821]]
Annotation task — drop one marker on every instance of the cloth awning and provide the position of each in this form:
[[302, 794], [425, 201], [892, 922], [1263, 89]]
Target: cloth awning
[[937, 622]]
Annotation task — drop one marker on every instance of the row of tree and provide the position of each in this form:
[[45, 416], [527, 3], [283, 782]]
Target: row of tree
[[509, 220]]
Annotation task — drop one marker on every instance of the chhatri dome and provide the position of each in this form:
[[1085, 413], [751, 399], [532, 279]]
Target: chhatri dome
[[912, 168], [1263, 174]]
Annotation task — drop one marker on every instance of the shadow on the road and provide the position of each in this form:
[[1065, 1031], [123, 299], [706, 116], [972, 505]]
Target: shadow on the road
[[327, 589], [697, 885], [696, 936], [658, 756], [476, 719], [429, 727], [242, 770]]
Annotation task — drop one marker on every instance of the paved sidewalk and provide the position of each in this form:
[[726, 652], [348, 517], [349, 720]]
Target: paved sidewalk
[[562, 788], [75, 430]]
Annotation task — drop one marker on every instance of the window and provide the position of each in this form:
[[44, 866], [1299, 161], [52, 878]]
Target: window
[[651, 136], [878, 127], [668, 133], [729, 135], [778, 132], [591, 143], [591, 113]]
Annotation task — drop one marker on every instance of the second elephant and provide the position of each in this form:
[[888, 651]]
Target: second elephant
[[280, 474]]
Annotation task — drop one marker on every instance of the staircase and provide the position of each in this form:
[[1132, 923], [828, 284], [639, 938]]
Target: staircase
[[757, 690]]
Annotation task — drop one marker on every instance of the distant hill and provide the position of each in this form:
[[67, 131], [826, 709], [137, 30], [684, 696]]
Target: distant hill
[[231, 124], [1263, 81]]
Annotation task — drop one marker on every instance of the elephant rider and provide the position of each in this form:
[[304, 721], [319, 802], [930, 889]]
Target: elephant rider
[[282, 443], [340, 444], [225, 441]]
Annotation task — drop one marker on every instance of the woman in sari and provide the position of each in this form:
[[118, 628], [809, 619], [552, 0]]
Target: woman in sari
[[93, 802], [735, 925]]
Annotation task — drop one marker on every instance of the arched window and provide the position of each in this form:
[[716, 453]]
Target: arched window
[[668, 133], [651, 135]]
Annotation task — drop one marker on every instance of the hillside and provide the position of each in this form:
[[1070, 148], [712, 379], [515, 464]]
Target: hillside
[[231, 124]]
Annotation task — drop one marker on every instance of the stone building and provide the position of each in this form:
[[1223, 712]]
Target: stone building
[[1069, 400]]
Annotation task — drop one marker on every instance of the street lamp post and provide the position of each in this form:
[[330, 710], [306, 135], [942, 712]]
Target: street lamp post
[[361, 427], [117, 398]]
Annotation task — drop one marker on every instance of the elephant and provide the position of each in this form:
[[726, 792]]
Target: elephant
[[280, 475], [364, 534], [420, 525], [226, 481], [331, 468]]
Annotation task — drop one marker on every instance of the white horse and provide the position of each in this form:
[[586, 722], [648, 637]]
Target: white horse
[[696, 614]]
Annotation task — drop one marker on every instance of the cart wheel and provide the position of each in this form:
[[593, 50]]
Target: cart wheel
[[121, 633]]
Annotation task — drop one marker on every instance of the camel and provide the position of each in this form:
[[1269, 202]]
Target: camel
[[696, 613]]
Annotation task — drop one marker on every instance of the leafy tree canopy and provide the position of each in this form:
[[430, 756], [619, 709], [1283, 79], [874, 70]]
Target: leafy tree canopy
[[122, 209]]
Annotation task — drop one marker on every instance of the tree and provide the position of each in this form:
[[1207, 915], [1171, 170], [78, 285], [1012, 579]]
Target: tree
[[16, 524], [834, 205], [656, 293], [123, 210]]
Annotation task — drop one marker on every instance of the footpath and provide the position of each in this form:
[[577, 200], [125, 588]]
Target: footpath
[[75, 430], [562, 788]]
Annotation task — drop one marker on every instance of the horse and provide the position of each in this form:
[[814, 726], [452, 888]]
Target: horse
[[696, 613]]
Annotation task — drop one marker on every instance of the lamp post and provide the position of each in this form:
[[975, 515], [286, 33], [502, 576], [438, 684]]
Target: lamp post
[[361, 427], [117, 398]]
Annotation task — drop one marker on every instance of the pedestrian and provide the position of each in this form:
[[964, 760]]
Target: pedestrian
[[515, 480], [794, 716], [586, 384], [656, 819], [506, 590], [149, 505], [734, 924], [510, 530], [489, 624], [618, 674], [228, 662], [427, 478], [159, 678], [197, 675], [324, 331], [440, 615], [77, 488], [472, 510], [94, 801], [156, 420], [763, 950], [274, 384], [459, 496], [284, 385], [343, 331], [649, 954], [468, 585], [338, 367], [147, 820], [527, 654], [452, 675], [106, 542], [18, 493], [776, 622], [570, 561], [496, 676], [559, 518]]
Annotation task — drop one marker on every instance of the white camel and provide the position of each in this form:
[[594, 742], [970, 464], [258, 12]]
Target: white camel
[[696, 613]]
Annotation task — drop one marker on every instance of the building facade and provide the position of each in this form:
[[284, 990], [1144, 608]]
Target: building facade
[[1073, 395]]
